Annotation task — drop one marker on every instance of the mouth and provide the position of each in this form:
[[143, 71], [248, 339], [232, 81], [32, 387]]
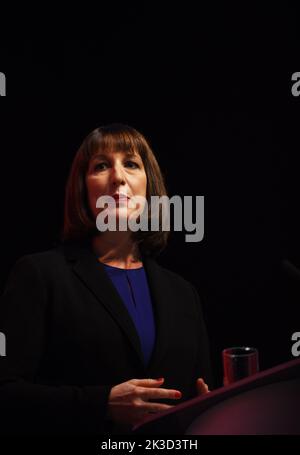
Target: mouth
[[120, 197]]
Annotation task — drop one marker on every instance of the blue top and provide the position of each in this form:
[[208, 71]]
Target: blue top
[[133, 288]]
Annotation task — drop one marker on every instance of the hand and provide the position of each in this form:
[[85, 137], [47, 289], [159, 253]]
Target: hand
[[128, 401], [201, 387]]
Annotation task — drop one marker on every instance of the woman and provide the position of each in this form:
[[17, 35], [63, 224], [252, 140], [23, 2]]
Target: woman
[[98, 334]]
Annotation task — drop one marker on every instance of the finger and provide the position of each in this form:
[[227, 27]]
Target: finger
[[202, 387], [148, 382], [147, 394], [155, 407]]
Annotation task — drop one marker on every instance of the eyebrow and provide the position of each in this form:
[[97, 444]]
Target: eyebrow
[[99, 156], [104, 156]]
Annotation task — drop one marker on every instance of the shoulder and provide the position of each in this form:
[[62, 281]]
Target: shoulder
[[40, 264], [55, 262], [42, 258], [176, 288], [175, 277], [174, 280]]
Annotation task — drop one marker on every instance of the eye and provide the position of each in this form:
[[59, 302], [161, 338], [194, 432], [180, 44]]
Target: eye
[[132, 164], [100, 166]]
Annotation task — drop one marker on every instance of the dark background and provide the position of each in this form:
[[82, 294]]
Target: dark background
[[212, 94]]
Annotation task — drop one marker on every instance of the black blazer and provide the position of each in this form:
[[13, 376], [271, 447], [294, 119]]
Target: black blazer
[[69, 339]]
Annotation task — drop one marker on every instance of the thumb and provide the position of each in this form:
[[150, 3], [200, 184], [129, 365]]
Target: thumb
[[201, 386]]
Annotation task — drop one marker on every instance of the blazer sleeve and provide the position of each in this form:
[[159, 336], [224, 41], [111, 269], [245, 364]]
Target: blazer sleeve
[[203, 366], [27, 407]]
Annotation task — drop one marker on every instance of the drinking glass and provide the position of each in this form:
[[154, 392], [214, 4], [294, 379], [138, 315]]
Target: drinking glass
[[238, 363]]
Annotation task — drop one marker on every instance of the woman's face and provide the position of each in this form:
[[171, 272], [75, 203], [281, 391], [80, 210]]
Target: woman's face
[[113, 173]]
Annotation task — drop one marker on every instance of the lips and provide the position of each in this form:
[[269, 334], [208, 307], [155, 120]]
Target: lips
[[120, 197]]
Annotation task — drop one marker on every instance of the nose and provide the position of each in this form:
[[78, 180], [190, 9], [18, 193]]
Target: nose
[[117, 176]]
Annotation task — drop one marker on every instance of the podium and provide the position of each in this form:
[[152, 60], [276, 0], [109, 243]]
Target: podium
[[265, 403]]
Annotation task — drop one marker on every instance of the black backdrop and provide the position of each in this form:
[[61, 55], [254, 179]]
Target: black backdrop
[[212, 93]]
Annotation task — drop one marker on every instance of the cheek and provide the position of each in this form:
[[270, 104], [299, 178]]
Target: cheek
[[95, 189], [143, 185]]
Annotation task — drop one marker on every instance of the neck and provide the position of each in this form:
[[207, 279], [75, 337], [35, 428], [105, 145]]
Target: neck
[[117, 249]]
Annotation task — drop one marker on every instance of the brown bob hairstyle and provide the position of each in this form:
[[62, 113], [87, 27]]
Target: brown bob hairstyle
[[79, 225]]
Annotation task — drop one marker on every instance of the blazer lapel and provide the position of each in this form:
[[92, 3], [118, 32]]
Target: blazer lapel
[[92, 273], [162, 297]]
